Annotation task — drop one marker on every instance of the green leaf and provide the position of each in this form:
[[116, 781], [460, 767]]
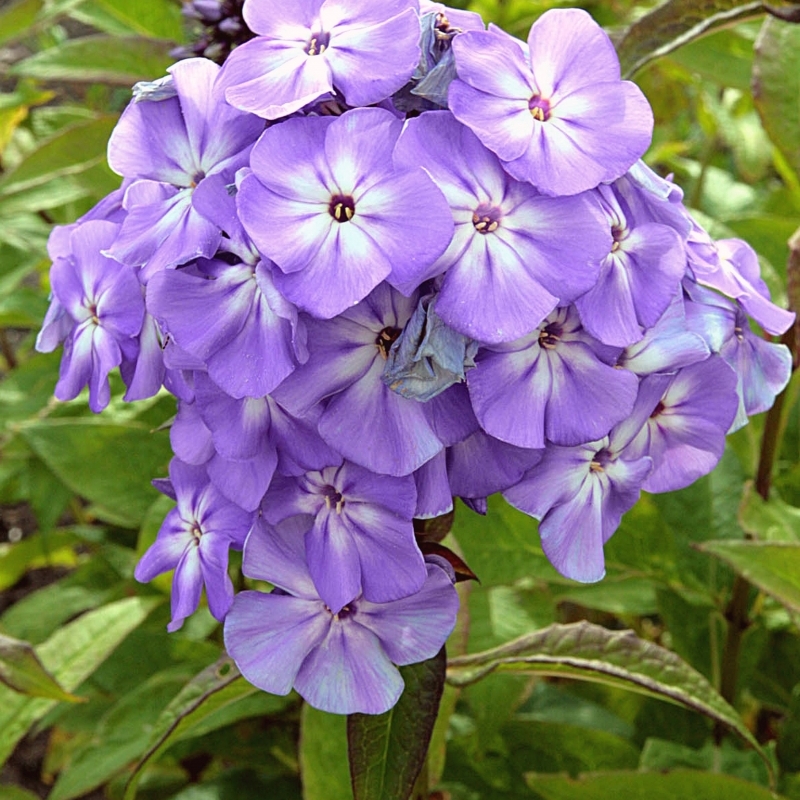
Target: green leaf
[[616, 658], [770, 520], [16, 18], [21, 670], [120, 736], [103, 59], [69, 152], [387, 751], [34, 551], [647, 786], [217, 687], [776, 86], [774, 567], [159, 19], [503, 546], [675, 23], [323, 755], [71, 654], [110, 464], [15, 793]]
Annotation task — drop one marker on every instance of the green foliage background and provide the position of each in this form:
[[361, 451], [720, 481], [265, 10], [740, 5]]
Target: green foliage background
[[711, 573]]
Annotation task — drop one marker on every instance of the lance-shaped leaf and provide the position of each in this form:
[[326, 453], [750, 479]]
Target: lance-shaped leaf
[[387, 751], [21, 670], [71, 654], [616, 658], [678, 22], [209, 701], [770, 520], [103, 59], [776, 86], [651, 785], [774, 567]]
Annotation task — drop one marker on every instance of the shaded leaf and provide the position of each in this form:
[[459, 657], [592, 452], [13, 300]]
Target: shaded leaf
[[120, 737], [647, 786], [21, 670], [104, 59], [774, 567], [215, 688], [776, 86], [160, 19], [16, 18], [616, 658], [323, 755], [34, 551], [675, 23], [109, 464], [71, 654], [387, 751], [770, 520], [71, 151]]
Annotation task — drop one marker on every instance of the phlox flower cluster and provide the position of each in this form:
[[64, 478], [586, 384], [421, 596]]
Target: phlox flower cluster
[[383, 257]]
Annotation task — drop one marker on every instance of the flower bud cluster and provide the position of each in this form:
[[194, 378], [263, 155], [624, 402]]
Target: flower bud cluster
[[383, 257]]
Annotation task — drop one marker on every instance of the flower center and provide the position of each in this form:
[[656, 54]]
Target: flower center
[[92, 309], [600, 461], [657, 410], [342, 207], [618, 233], [386, 339], [196, 532], [334, 499], [738, 333], [196, 179], [549, 337], [486, 220], [539, 108], [318, 43]]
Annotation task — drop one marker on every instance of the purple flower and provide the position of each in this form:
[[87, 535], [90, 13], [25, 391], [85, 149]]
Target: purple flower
[[326, 205], [361, 416], [339, 662], [560, 117], [667, 346], [638, 278], [361, 49], [732, 268], [360, 537], [514, 254], [168, 148], [579, 494], [555, 384], [232, 318], [685, 433], [194, 540], [763, 368], [99, 308]]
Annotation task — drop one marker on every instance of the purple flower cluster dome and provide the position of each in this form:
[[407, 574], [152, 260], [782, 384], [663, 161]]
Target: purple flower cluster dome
[[384, 257]]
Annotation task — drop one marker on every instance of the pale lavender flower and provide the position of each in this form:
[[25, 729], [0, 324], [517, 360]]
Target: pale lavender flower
[[360, 49], [514, 254], [361, 417], [579, 494], [556, 384], [693, 409], [325, 203], [98, 307], [167, 148], [558, 116], [194, 540], [341, 662], [359, 537]]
